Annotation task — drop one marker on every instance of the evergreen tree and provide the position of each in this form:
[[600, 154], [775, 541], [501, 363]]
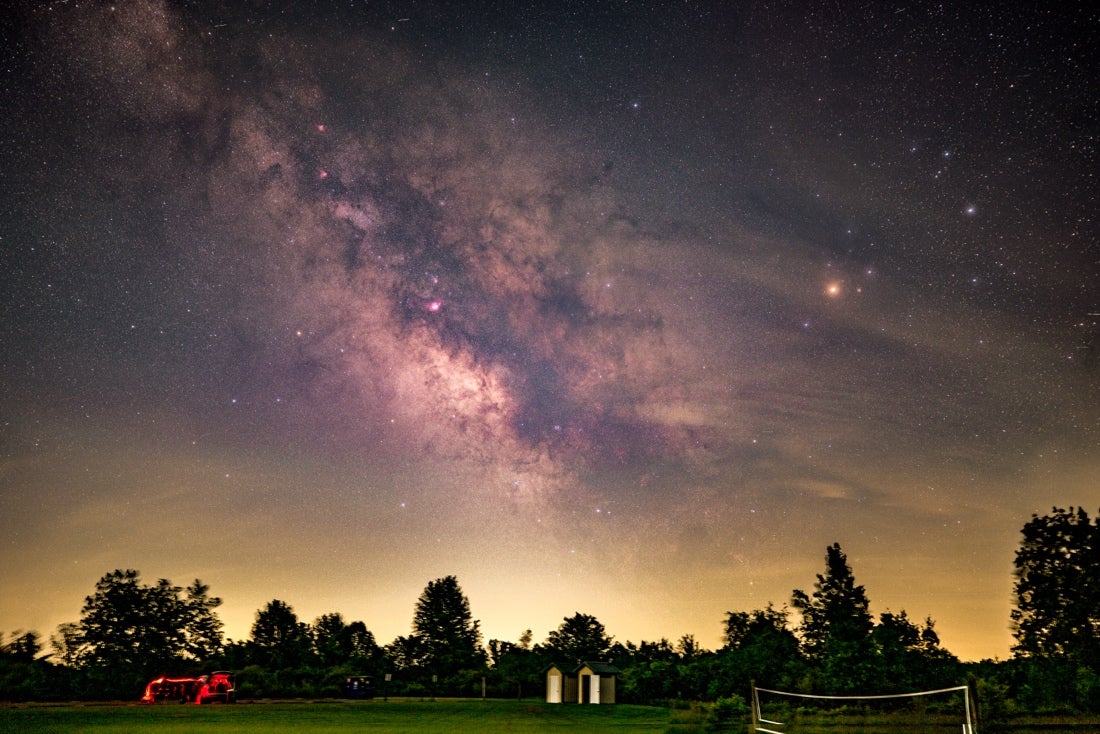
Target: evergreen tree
[[23, 647], [68, 645], [836, 627], [449, 637], [203, 629], [24, 676]]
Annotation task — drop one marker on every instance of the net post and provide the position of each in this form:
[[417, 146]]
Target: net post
[[754, 702], [971, 696]]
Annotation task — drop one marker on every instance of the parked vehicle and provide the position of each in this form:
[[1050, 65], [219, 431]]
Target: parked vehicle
[[218, 687], [359, 687]]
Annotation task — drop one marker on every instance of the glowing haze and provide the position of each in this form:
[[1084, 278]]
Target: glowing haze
[[628, 311]]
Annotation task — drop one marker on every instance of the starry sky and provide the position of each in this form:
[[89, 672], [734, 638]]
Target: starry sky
[[627, 308]]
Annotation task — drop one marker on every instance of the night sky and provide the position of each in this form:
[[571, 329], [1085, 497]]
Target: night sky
[[622, 308]]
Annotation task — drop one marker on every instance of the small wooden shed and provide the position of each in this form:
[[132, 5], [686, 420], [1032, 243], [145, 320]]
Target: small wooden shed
[[590, 682]]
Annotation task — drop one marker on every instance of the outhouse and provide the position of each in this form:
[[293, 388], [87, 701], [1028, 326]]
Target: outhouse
[[590, 682]]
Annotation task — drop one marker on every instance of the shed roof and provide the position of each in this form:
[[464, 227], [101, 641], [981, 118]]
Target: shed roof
[[597, 667]]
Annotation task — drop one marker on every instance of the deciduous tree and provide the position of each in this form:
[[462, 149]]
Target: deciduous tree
[[1057, 612], [279, 640], [758, 646], [127, 624], [515, 666], [1057, 615], [336, 642], [911, 658], [129, 630], [405, 654], [579, 638]]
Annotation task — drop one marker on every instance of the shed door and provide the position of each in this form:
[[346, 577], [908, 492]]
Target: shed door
[[594, 689], [553, 690]]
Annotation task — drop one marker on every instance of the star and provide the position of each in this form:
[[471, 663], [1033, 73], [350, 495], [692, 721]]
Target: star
[[400, 292]]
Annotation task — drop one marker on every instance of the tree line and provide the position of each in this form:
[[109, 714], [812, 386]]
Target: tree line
[[826, 641]]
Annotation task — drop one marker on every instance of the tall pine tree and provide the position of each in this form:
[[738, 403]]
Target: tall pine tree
[[449, 636], [836, 628]]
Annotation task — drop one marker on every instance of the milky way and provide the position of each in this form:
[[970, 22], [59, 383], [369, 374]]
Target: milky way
[[649, 305], [422, 255]]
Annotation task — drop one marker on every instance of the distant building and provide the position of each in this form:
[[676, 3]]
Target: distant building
[[589, 682]]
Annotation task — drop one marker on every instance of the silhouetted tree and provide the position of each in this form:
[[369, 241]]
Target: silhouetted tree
[[278, 639], [23, 647], [516, 668], [1057, 615], [68, 644], [688, 648], [910, 657], [405, 654], [128, 625], [449, 636], [365, 651], [661, 650], [331, 642], [203, 629], [741, 629], [24, 676], [836, 627], [1057, 587], [129, 630], [578, 638], [758, 646], [336, 642]]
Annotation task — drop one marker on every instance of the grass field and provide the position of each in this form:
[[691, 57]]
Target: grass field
[[449, 716], [445, 715]]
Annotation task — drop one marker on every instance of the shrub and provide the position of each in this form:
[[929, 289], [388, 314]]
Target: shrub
[[728, 712]]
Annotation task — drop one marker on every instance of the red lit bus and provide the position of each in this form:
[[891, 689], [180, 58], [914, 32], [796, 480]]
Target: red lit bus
[[218, 687]]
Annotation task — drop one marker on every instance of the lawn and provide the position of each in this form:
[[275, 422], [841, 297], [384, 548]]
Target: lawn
[[443, 716]]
